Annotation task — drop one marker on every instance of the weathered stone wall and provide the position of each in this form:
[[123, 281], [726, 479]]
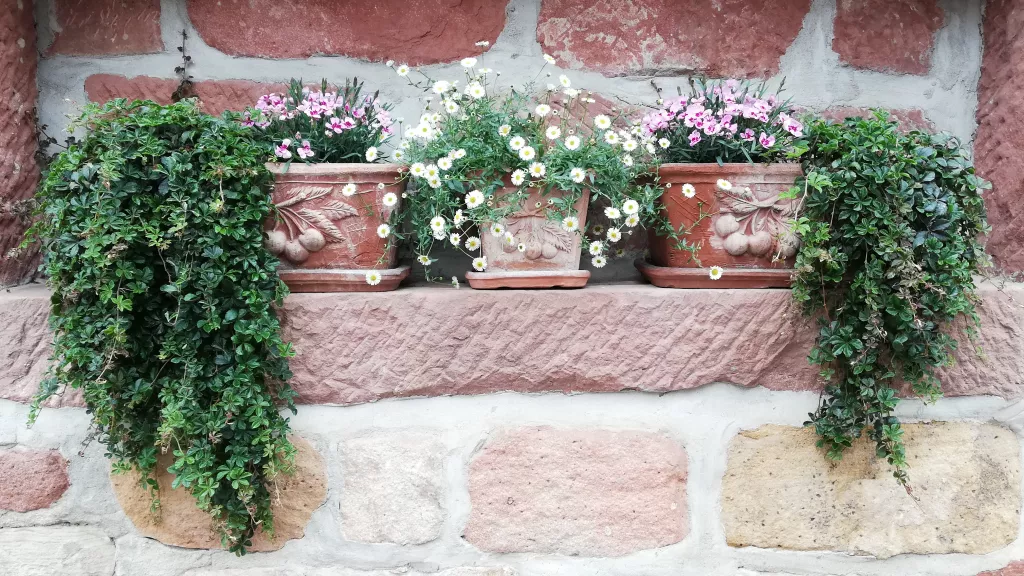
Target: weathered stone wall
[[920, 58], [453, 456]]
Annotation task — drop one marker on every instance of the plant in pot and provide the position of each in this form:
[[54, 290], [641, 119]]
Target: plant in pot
[[337, 204], [891, 228], [506, 177], [724, 216], [163, 303]]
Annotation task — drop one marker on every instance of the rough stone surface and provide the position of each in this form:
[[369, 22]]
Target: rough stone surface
[[417, 32], [1015, 569], [626, 37], [44, 551], [216, 96], [999, 148], [393, 486], [18, 167], [909, 119], [292, 571], [101, 27], [779, 491], [31, 479], [577, 492], [411, 344], [182, 524], [887, 35]]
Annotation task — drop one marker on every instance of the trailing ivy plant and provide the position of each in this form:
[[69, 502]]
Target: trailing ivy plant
[[162, 306], [890, 227]]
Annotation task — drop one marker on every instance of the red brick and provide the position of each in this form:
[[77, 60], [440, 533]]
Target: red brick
[[998, 147], [18, 95], [742, 38], [216, 96], [413, 31], [887, 35], [31, 479], [1015, 569], [101, 27]]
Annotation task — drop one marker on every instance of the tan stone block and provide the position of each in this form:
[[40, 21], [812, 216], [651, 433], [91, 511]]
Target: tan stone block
[[181, 523], [779, 491]]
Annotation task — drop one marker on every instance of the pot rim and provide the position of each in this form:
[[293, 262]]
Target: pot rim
[[356, 169]]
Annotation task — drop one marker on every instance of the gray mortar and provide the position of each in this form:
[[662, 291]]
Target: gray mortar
[[814, 78], [703, 420]]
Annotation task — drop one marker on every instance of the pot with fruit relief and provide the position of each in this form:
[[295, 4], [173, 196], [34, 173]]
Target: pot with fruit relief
[[332, 226], [738, 224]]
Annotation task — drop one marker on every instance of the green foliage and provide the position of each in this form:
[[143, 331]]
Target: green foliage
[[890, 232], [162, 312]]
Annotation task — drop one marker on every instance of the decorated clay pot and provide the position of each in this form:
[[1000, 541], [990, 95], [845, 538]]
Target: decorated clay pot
[[324, 227], [745, 230], [551, 257]]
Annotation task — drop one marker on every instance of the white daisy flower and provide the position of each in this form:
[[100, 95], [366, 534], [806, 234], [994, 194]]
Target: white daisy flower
[[614, 235], [498, 230], [553, 132], [542, 110], [423, 259], [629, 145], [724, 185], [476, 90], [564, 81], [398, 154], [472, 243], [373, 277], [455, 239], [537, 169], [504, 130], [480, 263], [597, 229], [571, 223], [405, 144], [611, 137], [458, 154], [510, 239], [571, 92], [630, 206], [715, 273], [596, 248], [527, 153], [602, 122], [451, 107], [402, 70], [599, 261], [689, 191], [577, 175], [516, 143], [484, 70], [434, 182], [468, 62], [549, 59], [390, 199], [431, 171], [627, 160], [459, 218], [444, 163], [632, 220], [612, 212], [572, 142], [518, 177], [418, 169], [664, 142], [349, 189], [439, 235], [474, 199], [650, 148], [437, 223], [383, 230], [442, 86]]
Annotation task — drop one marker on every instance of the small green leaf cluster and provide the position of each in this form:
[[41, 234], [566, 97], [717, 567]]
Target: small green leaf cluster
[[891, 231], [162, 306]]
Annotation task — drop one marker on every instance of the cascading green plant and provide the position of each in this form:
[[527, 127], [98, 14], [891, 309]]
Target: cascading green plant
[[162, 307], [891, 229]]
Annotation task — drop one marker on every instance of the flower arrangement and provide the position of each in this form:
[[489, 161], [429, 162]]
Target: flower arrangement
[[724, 121], [322, 125], [481, 151]]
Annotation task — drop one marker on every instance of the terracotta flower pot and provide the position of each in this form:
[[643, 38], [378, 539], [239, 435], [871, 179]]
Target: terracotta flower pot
[[552, 255], [326, 239], [746, 233]]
